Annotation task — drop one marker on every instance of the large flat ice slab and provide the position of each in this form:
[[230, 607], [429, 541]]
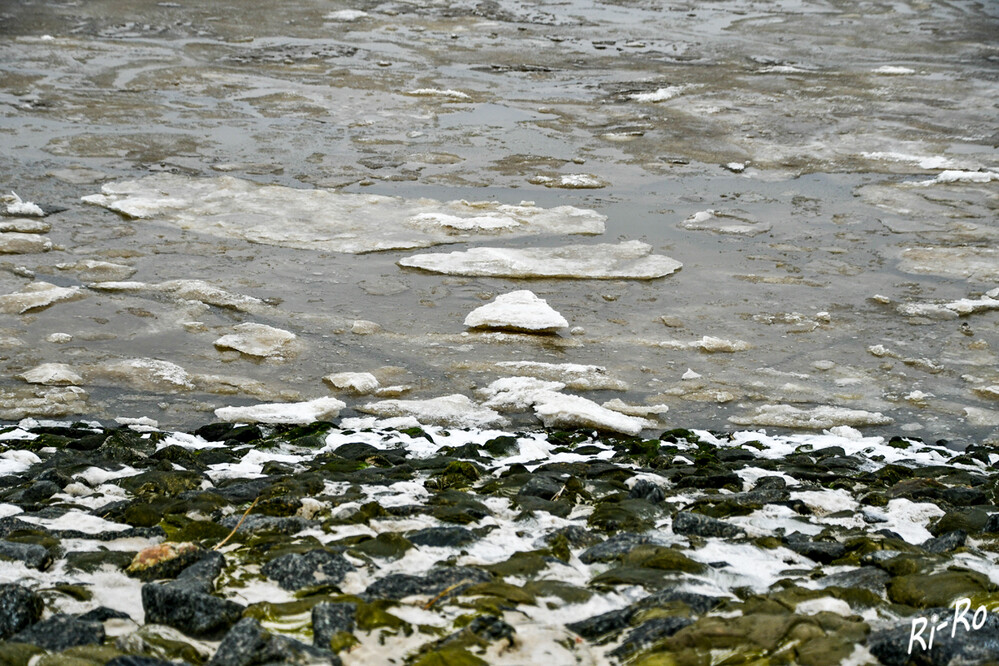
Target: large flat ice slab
[[320, 409], [328, 220], [454, 411], [603, 261]]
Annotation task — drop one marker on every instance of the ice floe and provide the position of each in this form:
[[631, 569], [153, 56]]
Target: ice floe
[[658, 95], [973, 263], [358, 382], [723, 223], [517, 311], [437, 92], [953, 309], [187, 290], [148, 374], [893, 70], [320, 409], [709, 344], [457, 410], [24, 225], [570, 181], [14, 242], [36, 296], [51, 374], [255, 339], [573, 375], [329, 220], [959, 176], [628, 260], [573, 411], [511, 394], [92, 269], [35, 401], [822, 416], [346, 15], [643, 411]]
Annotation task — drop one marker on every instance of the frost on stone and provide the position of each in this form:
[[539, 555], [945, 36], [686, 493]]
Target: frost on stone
[[36, 296], [572, 411], [326, 220], [15, 206], [453, 411], [709, 344], [517, 311], [822, 416], [723, 223], [14, 242], [255, 339], [629, 260], [147, 374], [573, 375], [292, 413], [517, 394], [51, 374], [358, 382], [36, 402]]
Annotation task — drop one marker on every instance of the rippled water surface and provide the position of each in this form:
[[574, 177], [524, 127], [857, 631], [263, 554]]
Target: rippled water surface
[[846, 152]]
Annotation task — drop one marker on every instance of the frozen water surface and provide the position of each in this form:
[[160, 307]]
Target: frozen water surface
[[824, 171]]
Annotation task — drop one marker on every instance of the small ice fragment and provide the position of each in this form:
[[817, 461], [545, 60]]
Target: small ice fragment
[[572, 411], [364, 327], [518, 311], [436, 92], [690, 374], [510, 394], [140, 423], [59, 338], [35, 296], [358, 382], [958, 176], [300, 413], [643, 411], [893, 70], [346, 15], [255, 339], [660, 95], [52, 374], [736, 167], [13, 242], [820, 417], [18, 207]]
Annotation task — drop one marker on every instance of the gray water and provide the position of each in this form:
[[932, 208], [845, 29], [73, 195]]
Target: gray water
[[809, 121]]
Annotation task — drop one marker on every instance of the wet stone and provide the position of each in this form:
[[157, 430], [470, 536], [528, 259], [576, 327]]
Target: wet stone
[[442, 537], [398, 586], [329, 619], [892, 645], [946, 542], [188, 609], [247, 643], [820, 551], [256, 523], [613, 548], [60, 632], [688, 523], [866, 577], [19, 609], [648, 633], [645, 489], [601, 625], [296, 571], [33, 556]]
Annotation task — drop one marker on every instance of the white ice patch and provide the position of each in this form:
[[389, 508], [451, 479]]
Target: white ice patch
[[147, 373], [456, 410], [15, 206], [570, 181], [958, 176], [572, 411], [358, 382], [250, 466], [300, 413], [643, 411], [475, 223], [519, 311], [823, 502], [573, 375], [76, 521], [709, 344], [12, 242], [511, 394], [659, 95], [255, 339], [906, 518], [933, 162], [324, 219], [188, 290], [16, 461], [346, 15], [35, 296], [823, 416], [893, 70], [723, 223], [629, 260], [824, 605], [51, 374], [748, 565]]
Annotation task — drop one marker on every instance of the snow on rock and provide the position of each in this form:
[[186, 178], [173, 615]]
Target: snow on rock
[[35, 296], [511, 394], [255, 339], [453, 411], [146, 374], [13, 242], [690, 374], [572, 411], [820, 417], [293, 413], [15, 206], [51, 374], [358, 382], [573, 375], [94, 270], [630, 260], [518, 311], [325, 220], [346, 15]]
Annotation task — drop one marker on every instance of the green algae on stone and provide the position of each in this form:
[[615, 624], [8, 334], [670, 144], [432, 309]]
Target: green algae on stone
[[91, 561], [18, 654], [457, 475], [448, 657], [660, 557], [387, 545], [96, 655], [939, 589]]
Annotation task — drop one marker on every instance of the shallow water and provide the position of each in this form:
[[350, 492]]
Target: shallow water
[[806, 126]]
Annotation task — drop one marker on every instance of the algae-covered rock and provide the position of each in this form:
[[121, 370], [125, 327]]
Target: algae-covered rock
[[939, 589], [686, 522], [397, 586]]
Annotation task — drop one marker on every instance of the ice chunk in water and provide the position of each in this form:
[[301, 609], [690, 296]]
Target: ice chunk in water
[[519, 311], [328, 220], [255, 339], [13, 242], [456, 411], [573, 375], [299, 413], [572, 411], [630, 260], [358, 382], [822, 416], [15, 206], [51, 374], [35, 296], [517, 393]]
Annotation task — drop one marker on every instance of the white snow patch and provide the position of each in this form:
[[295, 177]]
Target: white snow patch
[[893, 70], [824, 605], [15, 206], [906, 518], [690, 374], [346, 15], [437, 92], [519, 311], [959, 176], [572, 411], [510, 394], [573, 375]]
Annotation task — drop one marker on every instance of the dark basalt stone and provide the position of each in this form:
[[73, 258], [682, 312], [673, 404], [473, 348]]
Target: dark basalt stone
[[254, 523], [61, 632], [544, 487], [442, 537], [131, 660], [866, 577], [823, 552], [188, 609], [613, 548], [19, 609], [947, 542], [329, 619], [318, 567], [645, 489], [103, 613], [891, 645], [248, 644], [397, 586], [688, 523], [648, 633], [32, 555], [39, 491], [595, 627]]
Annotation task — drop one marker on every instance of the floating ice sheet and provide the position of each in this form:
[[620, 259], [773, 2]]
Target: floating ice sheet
[[455, 410], [630, 260], [320, 409], [255, 339], [14, 242], [188, 290], [572, 411], [328, 220], [823, 416], [36, 296]]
